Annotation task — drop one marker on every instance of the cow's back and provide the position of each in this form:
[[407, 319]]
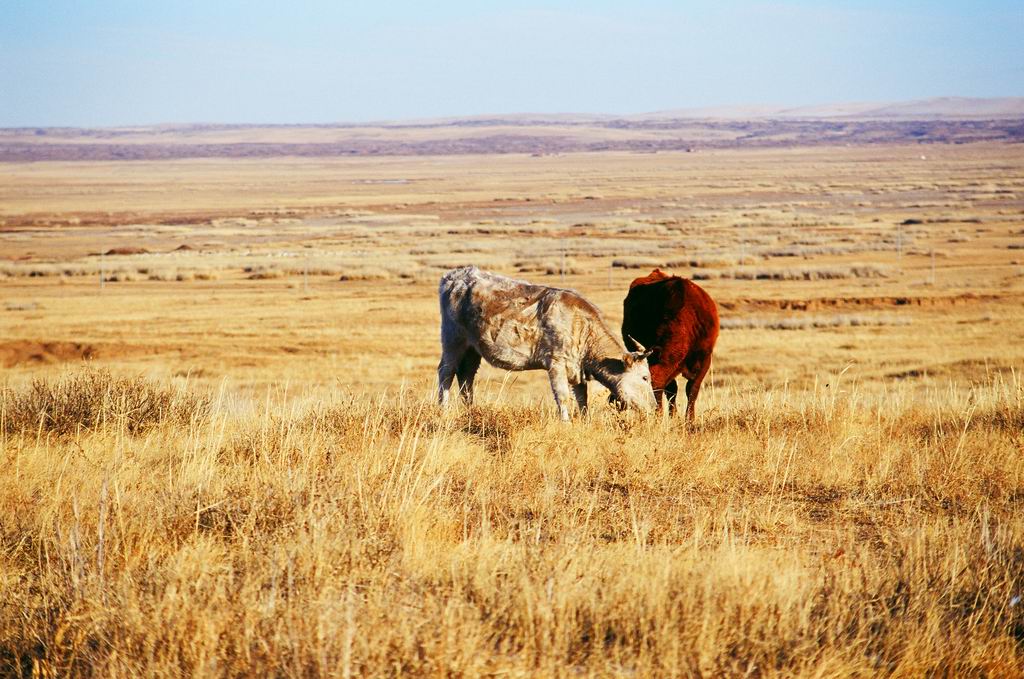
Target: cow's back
[[505, 320], [474, 299]]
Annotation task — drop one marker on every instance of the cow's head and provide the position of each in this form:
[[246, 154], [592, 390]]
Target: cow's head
[[630, 385]]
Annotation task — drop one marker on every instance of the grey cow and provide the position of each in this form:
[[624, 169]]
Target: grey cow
[[519, 326]]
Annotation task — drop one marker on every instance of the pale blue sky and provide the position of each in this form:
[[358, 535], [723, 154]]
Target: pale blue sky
[[112, 62]]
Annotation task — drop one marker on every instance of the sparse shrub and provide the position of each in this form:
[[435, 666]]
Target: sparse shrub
[[366, 274], [794, 274], [748, 274], [42, 270], [319, 269], [79, 270], [21, 306], [163, 275], [122, 276], [641, 229], [93, 399], [869, 271], [264, 272], [803, 322], [555, 269], [548, 267], [637, 263], [883, 244], [711, 261]]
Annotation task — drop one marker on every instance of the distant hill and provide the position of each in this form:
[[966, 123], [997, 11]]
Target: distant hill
[[952, 107], [936, 108], [944, 120]]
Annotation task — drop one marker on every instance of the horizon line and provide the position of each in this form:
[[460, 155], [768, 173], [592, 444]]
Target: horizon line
[[746, 111]]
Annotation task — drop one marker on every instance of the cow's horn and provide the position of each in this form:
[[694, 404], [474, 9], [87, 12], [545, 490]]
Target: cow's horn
[[639, 346]]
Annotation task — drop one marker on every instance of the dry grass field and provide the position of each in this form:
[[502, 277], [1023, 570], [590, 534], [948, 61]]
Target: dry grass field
[[222, 455]]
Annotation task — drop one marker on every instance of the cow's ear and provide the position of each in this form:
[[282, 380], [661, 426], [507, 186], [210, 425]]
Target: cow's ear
[[642, 355], [628, 359]]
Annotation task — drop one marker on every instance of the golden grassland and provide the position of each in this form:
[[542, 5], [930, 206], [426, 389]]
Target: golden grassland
[[250, 476], [817, 534]]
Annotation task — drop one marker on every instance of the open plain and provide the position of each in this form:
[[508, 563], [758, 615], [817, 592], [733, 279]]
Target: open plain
[[223, 457]]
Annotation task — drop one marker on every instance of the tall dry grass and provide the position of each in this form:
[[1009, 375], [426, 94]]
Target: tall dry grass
[[817, 533]]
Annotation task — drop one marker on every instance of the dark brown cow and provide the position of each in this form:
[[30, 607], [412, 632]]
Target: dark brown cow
[[679, 322]]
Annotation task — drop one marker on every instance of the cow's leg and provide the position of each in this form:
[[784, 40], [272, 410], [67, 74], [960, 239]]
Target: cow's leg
[[466, 372], [445, 377], [451, 354], [580, 392], [663, 381], [560, 388], [693, 388], [671, 391]]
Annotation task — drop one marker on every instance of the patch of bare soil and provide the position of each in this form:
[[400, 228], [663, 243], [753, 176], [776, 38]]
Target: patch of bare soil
[[20, 352]]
